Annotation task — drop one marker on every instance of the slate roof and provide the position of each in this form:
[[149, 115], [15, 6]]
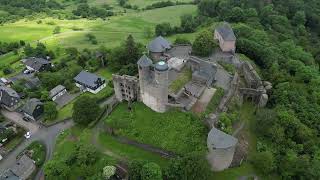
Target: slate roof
[[8, 175], [23, 167], [31, 105], [226, 32], [56, 90], [32, 82], [206, 70], [87, 78], [8, 96], [159, 44], [220, 140], [9, 91], [144, 61], [36, 63]]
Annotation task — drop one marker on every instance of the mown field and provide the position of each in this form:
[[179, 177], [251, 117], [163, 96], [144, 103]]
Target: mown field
[[109, 33]]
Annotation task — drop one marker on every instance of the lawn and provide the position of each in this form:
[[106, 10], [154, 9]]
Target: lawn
[[175, 131], [215, 100], [234, 173], [184, 76], [130, 152]]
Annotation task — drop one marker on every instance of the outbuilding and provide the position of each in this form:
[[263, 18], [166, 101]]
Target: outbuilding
[[57, 92]]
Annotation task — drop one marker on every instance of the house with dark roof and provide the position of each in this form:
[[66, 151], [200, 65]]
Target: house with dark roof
[[225, 35], [8, 175], [9, 98], [158, 47], [33, 109], [32, 82], [90, 82], [57, 92], [37, 64], [24, 167]]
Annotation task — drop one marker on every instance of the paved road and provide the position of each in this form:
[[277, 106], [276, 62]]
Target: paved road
[[17, 118], [45, 135]]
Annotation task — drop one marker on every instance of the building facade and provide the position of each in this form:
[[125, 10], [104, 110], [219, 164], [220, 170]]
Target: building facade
[[226, 38], [57, 92], [153, 81], [126, 88], [221, 149]]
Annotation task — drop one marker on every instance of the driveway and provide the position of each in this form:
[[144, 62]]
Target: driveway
[[17, 118], [65, 99]]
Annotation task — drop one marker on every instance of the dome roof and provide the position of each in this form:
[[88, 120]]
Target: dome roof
[[161, 66]]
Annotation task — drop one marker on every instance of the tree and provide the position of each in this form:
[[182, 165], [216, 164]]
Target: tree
[[50, 111], [109, 171], [163, 29], [190, 167], [85, 110], [86, 154], [203, 44], [264, 162], [187, 23], [56, 170], [151, 171], [236, 15], [299, 18], [135, 168]]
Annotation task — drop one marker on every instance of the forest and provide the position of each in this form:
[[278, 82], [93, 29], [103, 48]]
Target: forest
[[283, 38]]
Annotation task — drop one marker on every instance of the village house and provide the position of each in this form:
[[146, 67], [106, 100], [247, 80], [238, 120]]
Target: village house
[[89, 82], [226, 38], [57, 92], [9, 98], [158, 47], [33, 109], [37, 64], [23, 168]]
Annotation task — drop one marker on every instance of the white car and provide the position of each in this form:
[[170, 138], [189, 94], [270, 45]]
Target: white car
[[28, 135]]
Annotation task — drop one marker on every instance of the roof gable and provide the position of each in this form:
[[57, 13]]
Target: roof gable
[[144, 61], [159, 44], [226, 32], [88, 79]]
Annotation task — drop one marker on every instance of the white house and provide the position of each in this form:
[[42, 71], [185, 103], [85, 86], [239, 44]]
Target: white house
[[89, 82], [56, 92]]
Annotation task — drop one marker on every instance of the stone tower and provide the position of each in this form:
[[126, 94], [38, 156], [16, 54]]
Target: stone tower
[[153, 80]]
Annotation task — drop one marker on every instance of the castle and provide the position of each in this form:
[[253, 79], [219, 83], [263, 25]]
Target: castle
[[168, 62]]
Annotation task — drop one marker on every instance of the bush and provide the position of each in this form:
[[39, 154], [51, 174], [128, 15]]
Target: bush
[[82, 114], [151, 171], [181, 40]]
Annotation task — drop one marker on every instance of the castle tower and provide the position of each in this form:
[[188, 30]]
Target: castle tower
[[145, 76], [161, 85]]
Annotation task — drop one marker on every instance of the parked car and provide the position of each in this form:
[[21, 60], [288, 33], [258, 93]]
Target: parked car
[[26, 119], [27, 71], [28, 135]]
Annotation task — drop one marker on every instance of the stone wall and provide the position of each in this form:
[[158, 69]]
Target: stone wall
[[126, 87]]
